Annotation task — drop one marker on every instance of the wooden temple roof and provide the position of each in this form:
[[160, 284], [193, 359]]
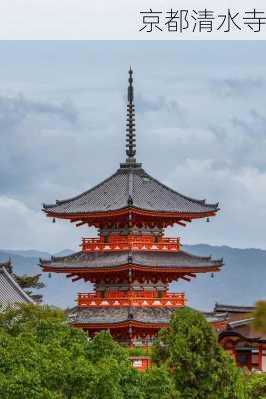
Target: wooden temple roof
[[243, 330], [157, 259], [115, 315], [130, 187], [214, 317], [233, 308], [10, 292], [239, 324]]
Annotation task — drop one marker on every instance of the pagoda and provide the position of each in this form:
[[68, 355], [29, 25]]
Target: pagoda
[[131, 263]]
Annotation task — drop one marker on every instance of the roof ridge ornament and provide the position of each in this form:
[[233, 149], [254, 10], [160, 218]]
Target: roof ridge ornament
[[130, 135]]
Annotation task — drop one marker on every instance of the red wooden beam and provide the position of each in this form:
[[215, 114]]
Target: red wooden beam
[[125, 212]]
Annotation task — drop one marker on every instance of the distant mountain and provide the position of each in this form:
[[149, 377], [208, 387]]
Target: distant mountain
[[64, 252], [242, 280], [23, 264], [33, 253], [30, 253], [59, 290]]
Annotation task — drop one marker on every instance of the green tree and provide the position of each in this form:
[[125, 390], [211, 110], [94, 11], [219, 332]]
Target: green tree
[[25, 281], [159, 384], [28, 317], [200, 367], [41, 357], [103, 346], [259, 315], [256, 386]]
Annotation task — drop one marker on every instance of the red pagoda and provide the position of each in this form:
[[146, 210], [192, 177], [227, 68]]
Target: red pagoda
[[131, 263]]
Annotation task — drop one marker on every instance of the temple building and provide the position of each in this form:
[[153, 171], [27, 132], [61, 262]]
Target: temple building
[[10, 292], [131, 263], [239, 337]]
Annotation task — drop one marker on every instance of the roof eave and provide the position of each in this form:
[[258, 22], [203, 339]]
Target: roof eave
[[121, 324], [76, 216], [47, 267]]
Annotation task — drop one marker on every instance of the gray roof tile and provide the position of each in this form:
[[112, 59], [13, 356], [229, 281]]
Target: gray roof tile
[[134, 186], [139, 314], [233, 308], [158, 259], [122, 314], [10, 292]]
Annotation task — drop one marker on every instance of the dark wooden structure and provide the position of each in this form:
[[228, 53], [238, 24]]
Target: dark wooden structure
[[239, 338]]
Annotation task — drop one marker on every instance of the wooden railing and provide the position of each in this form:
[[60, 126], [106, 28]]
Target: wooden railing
[[131, 298], [134, 243]]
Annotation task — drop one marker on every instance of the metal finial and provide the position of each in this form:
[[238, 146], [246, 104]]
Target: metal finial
[[131, 136], [130, 87]]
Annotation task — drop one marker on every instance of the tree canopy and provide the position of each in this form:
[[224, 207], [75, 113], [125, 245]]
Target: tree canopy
[[256, 386], [259, 322], [199, 366], [41, 357]]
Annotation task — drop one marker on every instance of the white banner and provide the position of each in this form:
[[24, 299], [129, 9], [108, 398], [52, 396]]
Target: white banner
[[132, 20]]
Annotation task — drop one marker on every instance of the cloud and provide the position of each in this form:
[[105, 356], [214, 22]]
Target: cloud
[[241, 196], [160, 111], [32, 229], [253, 124], [14, 111], [237, 86], [34, 136], [157, 103], [204, 143]]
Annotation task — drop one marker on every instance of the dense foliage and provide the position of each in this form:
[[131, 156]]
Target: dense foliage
[[199, 366], [256, 386], [41, 357], [259, 315]]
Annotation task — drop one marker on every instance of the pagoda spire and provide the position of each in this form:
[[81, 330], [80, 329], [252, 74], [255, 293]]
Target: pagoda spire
[[131, 136]]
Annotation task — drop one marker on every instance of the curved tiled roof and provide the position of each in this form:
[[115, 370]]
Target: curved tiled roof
[[113, 315], [245, 330], [114, 259], [10, 292], [130, 187], [233, 308], [119, 315], [213, 317]]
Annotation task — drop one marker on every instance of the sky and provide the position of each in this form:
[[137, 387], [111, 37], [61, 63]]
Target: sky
[[200, 120]]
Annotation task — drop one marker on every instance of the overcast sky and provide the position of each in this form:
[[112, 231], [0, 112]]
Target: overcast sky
[[201, 129]]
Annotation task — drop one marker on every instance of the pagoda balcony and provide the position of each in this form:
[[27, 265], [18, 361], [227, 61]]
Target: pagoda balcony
[[131, 298], [133, 243]]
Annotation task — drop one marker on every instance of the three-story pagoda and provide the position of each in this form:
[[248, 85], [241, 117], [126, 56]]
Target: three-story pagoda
[[131, 263]]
